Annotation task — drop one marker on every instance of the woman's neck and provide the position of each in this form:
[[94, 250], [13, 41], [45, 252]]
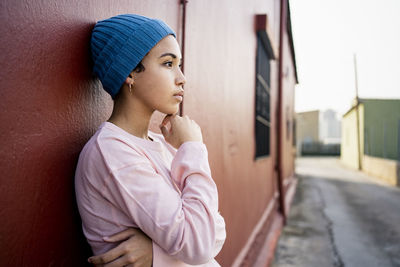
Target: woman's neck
[[131, 118]]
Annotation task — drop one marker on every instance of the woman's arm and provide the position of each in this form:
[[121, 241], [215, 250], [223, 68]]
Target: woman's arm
[[185, 224], [183, 220]]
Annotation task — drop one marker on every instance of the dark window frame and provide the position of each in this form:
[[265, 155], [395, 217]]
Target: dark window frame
[[263, 95]]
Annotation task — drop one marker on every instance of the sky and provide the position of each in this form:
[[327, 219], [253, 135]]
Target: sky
[[327, 34]]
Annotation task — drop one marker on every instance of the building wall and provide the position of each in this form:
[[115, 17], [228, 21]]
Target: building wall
[[385, 169], [221, 77], [330, 127], [52, 105], [349, 145], [379, 132], [382, 120], [307, 128], [288, 113]]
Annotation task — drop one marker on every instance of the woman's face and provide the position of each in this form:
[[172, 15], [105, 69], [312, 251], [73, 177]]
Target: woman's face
[[156, 87]]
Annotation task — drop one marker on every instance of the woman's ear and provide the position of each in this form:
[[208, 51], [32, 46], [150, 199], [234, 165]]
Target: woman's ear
[[130, 79]]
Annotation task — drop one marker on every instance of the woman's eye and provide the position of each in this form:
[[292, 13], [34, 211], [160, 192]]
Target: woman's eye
[[168, 63]]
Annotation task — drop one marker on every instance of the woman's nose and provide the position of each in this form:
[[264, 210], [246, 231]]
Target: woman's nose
[[180, 79]]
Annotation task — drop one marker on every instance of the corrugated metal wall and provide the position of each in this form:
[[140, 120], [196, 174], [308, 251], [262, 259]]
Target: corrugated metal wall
[[289, 82], [220, 67]]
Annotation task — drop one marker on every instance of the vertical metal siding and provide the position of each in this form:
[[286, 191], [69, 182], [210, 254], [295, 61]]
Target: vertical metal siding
[[220, 92]]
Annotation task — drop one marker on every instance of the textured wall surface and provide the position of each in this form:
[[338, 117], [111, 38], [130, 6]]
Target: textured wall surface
[[349, 145], [220, 65], [50, 106], [382, 124], [288, 84], [386, 169]]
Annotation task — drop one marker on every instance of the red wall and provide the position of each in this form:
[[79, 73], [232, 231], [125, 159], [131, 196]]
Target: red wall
[[51, 105], [220, 65]]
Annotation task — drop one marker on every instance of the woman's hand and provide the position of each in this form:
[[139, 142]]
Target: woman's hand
[[182, 129], [137, 249]]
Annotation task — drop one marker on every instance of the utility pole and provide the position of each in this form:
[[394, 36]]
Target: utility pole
[[357, 115]]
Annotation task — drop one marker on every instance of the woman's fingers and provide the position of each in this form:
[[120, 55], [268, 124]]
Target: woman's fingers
[[164, 131], [107, 257], [181, 129], [166, 120], [117, 251], [126, 260], [136, 249], [163, 127]]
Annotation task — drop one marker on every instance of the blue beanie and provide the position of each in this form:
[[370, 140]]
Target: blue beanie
[[118, 45]]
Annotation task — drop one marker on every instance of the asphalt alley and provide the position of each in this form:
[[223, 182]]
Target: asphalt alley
[[340, 217]]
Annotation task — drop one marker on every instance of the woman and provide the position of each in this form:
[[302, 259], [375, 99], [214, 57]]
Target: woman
[[129, 177]]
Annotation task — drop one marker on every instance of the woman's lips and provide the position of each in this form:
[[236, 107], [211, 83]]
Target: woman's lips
[[179, 97]]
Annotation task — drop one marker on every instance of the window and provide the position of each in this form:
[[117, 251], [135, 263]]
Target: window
[[263, 92]]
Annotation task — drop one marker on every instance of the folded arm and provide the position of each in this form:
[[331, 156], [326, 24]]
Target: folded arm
[[186, 224]]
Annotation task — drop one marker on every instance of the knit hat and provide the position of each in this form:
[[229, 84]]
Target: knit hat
[[118, 45]]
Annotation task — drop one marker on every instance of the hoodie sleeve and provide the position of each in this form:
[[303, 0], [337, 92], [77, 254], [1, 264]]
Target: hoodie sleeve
[[186, 225]]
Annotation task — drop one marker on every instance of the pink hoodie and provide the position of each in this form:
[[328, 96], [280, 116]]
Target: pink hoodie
[[125, 181]]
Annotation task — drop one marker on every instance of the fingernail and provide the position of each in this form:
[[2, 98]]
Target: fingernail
[[90, 260]]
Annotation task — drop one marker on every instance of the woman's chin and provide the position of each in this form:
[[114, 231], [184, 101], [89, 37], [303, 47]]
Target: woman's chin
[[170, 110]]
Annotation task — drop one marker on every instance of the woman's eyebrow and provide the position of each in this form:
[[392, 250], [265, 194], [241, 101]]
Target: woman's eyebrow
[[168, 54]]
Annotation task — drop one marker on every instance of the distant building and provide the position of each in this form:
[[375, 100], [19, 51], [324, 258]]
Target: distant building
[[379, 133], [318, 132], [330, 127]]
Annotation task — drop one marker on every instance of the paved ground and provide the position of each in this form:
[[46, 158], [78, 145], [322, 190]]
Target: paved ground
[[340, 217]]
